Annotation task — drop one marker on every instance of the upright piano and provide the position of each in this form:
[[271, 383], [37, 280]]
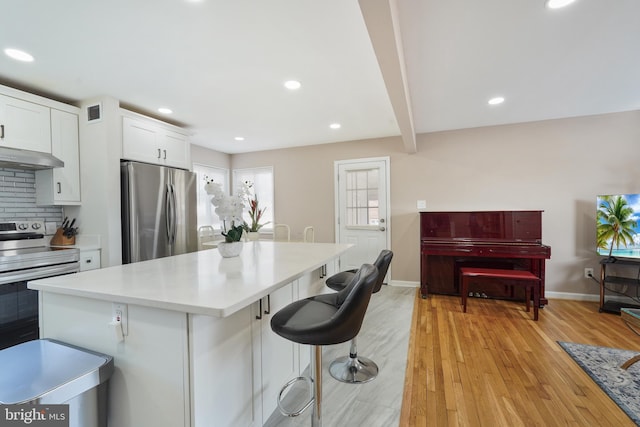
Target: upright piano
[[489, 239]]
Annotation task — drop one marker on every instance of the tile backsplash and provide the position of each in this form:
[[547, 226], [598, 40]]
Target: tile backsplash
[[18, 198]]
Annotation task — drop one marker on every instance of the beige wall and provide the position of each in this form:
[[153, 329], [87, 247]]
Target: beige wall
[[204, 156], [558, 166]]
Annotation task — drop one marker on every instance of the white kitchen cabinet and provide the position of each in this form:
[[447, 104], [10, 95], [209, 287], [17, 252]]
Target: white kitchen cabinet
[[61, 186], [230, 349], [240, 364], [221, 370], [24, 125], [89, 260], [278, 356], [150, 141]]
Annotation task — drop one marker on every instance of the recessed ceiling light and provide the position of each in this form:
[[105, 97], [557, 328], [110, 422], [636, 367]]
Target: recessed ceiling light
[[335, 125], [557, 4], [18, 55], [292, 84], [164, 110], [239, 138], [496, 100]]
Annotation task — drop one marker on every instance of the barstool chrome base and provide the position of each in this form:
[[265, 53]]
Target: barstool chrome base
[[353, 370]]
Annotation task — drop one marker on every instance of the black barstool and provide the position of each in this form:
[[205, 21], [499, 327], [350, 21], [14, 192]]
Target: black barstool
[[325, 320], [354, 369]]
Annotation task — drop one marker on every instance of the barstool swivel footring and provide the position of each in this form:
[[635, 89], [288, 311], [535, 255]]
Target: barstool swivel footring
[[315, 379]]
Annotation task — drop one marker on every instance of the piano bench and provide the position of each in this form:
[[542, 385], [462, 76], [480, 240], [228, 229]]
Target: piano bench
[[530, 281]]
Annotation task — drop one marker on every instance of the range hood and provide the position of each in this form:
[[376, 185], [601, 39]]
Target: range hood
[[25, 159]]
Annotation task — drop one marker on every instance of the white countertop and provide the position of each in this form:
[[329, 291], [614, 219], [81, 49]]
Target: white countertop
[[200, 282]]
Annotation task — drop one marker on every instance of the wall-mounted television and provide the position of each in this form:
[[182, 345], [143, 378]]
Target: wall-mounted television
[[618, 225]]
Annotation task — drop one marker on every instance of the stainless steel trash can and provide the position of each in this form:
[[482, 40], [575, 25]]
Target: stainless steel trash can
[[52, 372]]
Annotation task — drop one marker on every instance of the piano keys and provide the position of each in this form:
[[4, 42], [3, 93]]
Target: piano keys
[[487, 239]]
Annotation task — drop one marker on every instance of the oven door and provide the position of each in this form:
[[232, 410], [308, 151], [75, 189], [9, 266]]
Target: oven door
[[18, 314], [19, 305]]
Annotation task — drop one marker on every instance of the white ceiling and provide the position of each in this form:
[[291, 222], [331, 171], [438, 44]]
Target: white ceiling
[[220, 64]]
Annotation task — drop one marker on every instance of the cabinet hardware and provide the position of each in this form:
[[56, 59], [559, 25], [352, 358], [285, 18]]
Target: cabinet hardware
[[159, 153], [165, 154], [268, 310], [59, 188], [1, 131], [259, 316]]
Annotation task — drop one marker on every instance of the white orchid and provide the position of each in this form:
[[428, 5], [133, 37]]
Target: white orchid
[[229, 207]]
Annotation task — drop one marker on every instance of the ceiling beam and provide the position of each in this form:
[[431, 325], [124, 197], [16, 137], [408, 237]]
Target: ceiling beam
[[381, 19]]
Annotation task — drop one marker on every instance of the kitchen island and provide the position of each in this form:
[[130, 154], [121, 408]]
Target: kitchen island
[[197, 348]]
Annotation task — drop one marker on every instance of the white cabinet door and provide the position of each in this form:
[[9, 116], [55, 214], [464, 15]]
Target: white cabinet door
[[24, 125], [175, 149], [139, 141], [279, 356], [147, 141], [61, 186], [221, 365]]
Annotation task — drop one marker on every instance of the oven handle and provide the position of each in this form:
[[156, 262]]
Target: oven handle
[[38, 273]]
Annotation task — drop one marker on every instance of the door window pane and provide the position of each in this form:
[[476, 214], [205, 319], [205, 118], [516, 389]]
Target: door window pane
[[362, 197]]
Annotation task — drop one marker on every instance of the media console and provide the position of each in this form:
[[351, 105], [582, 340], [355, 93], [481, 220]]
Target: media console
[[613, 306]]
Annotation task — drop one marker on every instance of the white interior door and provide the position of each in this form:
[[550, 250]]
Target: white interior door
[[362, 201]]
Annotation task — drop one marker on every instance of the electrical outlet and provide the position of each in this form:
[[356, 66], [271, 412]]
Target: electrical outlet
[[588, 273], [119, 314]]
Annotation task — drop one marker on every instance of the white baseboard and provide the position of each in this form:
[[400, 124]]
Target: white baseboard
[[404, 283], [551, 295], [572, 296]]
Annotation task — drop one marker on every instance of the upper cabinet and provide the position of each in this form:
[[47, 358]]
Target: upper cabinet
[[61, 186], [24, 125], [32, 122], [151, 141]]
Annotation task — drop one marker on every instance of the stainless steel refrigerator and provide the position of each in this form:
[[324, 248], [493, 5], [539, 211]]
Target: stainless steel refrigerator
[[158, 211]]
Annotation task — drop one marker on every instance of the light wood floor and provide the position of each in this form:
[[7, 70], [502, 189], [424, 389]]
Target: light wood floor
[[495, 366]]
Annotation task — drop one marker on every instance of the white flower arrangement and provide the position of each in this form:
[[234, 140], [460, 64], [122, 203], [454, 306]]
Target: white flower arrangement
[[229, 207]]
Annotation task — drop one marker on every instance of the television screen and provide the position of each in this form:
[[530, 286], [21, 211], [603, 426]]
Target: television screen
[[617, 222]]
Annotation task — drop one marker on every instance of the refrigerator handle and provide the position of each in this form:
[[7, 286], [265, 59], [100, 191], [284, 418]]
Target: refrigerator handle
[[174, 216], [169, 214]]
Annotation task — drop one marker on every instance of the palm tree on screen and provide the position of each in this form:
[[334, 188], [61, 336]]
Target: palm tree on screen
[[615, 223]]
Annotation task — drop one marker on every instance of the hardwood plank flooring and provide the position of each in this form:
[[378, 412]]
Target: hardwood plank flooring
[[495, 366]]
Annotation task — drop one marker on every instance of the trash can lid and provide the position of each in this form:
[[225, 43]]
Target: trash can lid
[[44, 370]]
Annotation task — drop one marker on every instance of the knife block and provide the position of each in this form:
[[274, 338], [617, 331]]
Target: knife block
[[60, 239]]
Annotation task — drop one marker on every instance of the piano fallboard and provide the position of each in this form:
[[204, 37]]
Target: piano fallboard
[[485, 249]]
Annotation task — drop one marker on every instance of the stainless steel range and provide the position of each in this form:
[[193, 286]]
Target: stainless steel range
[[25, 255]]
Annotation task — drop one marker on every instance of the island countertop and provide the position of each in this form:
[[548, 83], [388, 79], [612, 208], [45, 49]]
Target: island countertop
[[199, 282]]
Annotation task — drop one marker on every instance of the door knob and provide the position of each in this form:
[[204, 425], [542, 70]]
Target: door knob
[[382, 229]]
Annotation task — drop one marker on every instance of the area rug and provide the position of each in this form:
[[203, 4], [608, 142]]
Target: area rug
[[603, 366]]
